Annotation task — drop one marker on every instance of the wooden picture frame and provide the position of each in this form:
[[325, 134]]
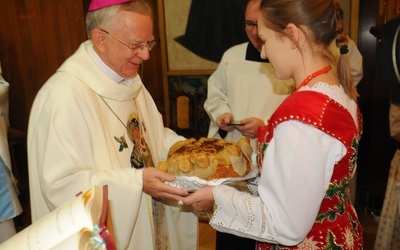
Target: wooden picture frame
[[176, 60], [351, 16]]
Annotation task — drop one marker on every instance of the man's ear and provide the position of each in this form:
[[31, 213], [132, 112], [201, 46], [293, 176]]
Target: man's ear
[[98, 38]]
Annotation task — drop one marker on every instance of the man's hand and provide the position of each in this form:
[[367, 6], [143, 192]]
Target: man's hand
[[153, 185], [223, 120]]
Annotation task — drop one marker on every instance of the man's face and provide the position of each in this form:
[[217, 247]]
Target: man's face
[[128, 29], [251, 17]]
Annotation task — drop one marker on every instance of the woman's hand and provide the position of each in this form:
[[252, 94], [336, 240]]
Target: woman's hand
[[201, 199]]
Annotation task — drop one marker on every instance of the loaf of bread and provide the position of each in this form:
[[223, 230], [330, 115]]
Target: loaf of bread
[[209, 158]]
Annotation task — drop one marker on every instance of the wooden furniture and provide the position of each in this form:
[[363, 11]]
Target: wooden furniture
[[186, 99], [183, 110]]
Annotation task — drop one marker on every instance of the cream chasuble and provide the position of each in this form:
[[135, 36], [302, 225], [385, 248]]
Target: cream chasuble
[[76, 141]]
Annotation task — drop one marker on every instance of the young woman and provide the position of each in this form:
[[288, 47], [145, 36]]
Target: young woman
[[307, 153]]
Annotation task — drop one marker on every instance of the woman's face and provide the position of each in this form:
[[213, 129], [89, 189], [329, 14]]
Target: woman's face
[[278, 49]]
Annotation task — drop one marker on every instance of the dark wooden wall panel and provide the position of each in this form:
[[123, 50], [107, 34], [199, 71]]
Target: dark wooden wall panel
[[37, 38]]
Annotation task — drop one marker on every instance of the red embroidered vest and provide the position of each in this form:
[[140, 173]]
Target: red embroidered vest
[[336, 225]]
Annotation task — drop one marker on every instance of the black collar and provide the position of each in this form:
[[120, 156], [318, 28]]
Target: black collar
[[252, 54]]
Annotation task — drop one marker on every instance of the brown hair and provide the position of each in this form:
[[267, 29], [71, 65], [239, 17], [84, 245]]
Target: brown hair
[[324, 20]]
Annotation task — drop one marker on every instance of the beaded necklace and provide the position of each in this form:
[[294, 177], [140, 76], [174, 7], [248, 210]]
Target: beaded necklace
[[313, 75]]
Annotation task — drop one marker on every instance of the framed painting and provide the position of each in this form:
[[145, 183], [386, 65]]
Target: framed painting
[[175, 16], [194, 34]]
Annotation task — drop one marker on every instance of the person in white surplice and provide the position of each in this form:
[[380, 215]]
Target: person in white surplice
[[94, 123]]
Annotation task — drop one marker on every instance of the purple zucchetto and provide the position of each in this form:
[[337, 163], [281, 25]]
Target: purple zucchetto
[[99, 4]]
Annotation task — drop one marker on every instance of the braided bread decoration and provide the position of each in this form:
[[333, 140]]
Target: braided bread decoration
[[209, 158]]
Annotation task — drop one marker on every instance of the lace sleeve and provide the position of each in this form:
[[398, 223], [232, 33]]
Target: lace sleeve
[[239, 213]]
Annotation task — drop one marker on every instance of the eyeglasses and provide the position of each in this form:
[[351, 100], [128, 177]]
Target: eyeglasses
[[136, 48], [249, 25]]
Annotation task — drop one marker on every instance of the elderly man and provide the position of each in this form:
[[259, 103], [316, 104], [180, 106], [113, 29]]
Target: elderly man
[[94, 123]]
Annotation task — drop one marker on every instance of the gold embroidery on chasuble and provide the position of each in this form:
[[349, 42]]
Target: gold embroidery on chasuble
[[141, 157], [160, 226]]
